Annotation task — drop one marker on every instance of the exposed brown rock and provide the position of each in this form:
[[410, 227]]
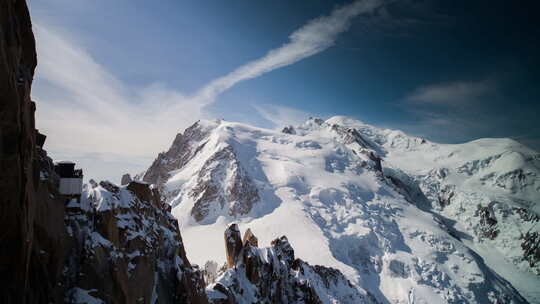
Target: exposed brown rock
[[109, 186], [252, 264], [211, 194], [233, 244], [278, 277], [181, 151], [30, 258], [129, 249], [250, 238], [375, 158], [283, 249], [445, 196], [144, 192], [239, 195]]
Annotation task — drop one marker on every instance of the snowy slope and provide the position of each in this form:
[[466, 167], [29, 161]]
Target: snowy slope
[[487, 189], [321, 184]]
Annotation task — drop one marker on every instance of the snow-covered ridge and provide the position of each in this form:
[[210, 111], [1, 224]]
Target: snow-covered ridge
[[383, 207]]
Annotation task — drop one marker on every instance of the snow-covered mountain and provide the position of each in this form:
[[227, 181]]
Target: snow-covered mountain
[[404, 219]]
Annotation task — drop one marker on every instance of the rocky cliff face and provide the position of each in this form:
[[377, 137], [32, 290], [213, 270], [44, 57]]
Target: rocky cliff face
[[114, 245], [218, 181], [237, 196], [274, 275], [184, 147], [128, 249], [20, 186]]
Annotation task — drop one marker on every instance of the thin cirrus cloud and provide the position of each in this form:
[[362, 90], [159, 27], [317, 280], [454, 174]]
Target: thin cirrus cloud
[[451, 93], [451, 111], [280, 116], [86, 108]]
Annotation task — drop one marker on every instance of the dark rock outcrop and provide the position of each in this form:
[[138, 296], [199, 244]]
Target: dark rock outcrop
[[30, 256], [126, 179], [250, 238], [351, 135], [212, 193], [274, 275], [128, 248], [288, 130], [531, 248], [445, 197], [183, 148], [488, 223], [233, 244], [365, 146]]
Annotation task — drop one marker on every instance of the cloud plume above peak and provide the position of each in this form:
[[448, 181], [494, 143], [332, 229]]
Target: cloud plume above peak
[[314, 37]]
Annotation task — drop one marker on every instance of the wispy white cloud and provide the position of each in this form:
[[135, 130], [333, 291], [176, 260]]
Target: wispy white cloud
[[532, 140], [457, 111], [84, 108], [280, 116], [451, 93], [316, 36], [444, 110]]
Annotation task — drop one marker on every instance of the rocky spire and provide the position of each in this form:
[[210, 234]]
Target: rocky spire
[[250, 239], [274, 275], [233, 244], [126, 179]]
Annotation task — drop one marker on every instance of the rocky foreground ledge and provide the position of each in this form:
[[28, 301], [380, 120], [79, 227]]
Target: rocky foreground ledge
[[274, 275], [128, 249]]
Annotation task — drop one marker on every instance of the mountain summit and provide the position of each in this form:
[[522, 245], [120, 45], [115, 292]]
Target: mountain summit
[[401, 217]]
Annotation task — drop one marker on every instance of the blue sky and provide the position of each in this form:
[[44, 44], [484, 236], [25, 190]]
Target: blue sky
[[117, 79]]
